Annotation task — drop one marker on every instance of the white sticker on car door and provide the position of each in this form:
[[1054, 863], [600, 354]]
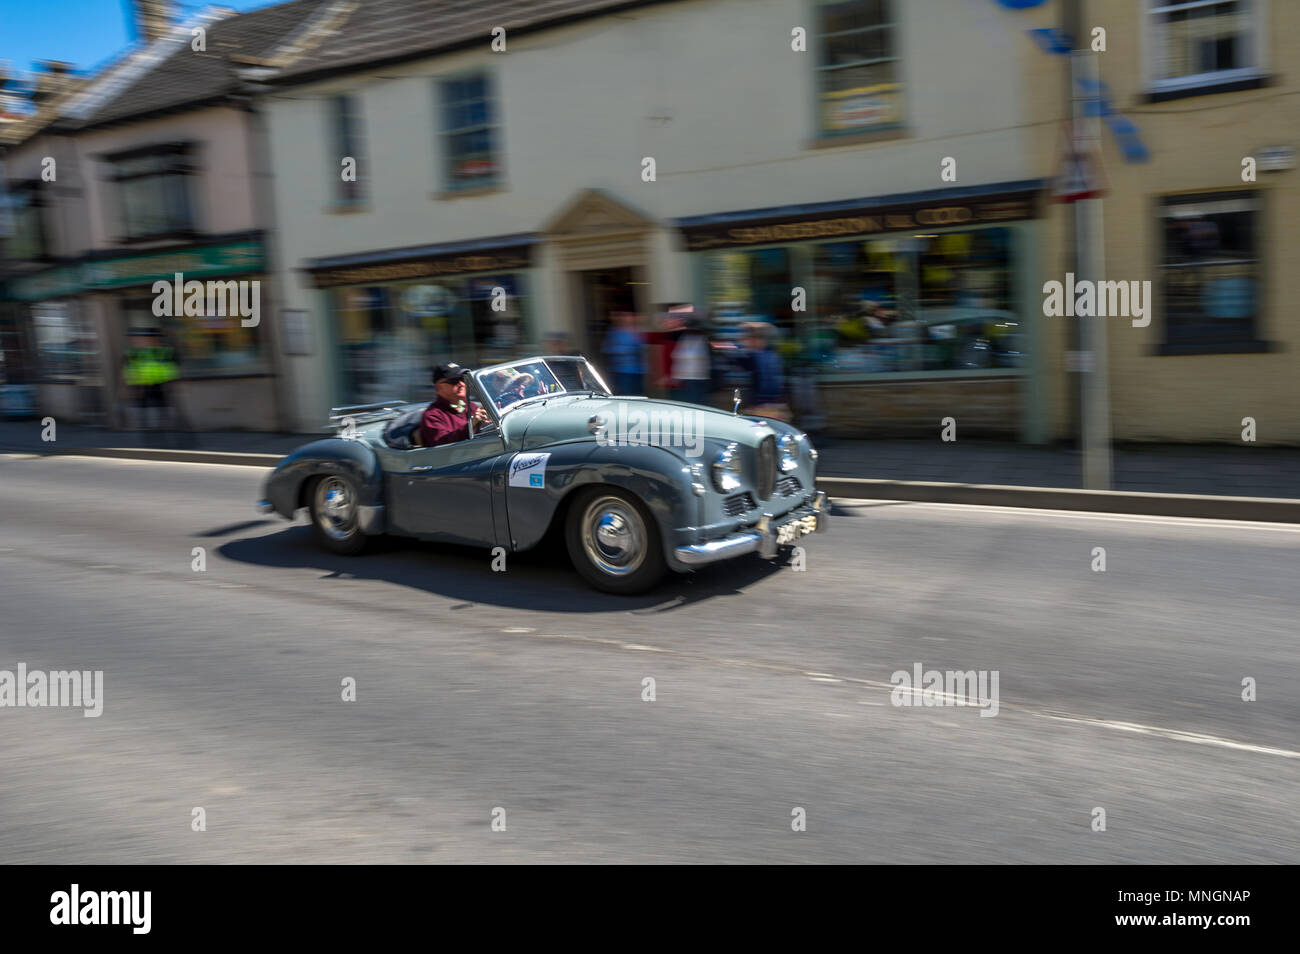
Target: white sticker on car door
[[528, 470]]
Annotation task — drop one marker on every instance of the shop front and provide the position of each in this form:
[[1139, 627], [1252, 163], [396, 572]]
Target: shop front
[[84, 316], [397, 313], [904, 309], [64, 372]]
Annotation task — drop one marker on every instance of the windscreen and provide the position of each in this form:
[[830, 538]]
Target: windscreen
[[536, 377]]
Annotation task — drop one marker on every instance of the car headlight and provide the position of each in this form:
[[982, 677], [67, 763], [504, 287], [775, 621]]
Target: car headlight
[[787, 448], [726, 470]]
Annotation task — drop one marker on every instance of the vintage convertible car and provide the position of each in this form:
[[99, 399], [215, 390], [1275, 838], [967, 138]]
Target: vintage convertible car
[[636, 486]]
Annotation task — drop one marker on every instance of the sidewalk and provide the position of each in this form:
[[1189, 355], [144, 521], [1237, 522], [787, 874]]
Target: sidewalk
[[1219, 470], [1245, 470]]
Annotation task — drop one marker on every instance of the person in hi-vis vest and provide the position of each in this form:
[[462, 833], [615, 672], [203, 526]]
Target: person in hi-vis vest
[[148, 368]]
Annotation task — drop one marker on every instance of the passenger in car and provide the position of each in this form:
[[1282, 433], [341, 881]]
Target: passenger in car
[[446, 419], [510, 386]]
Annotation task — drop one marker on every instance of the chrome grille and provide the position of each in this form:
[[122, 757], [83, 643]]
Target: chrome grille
[[737, 504], [788, 486], [765, 478]]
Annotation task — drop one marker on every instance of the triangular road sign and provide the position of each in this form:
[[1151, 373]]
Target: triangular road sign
[[1081, 174]]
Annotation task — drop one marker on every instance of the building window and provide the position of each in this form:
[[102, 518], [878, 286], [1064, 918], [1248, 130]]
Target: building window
[[858, 82], [206, 346], [926, 302], [349, 143], [393, 334], [922, 302], [470, 137], [1203, 42], [17, 366], [65, 340], [153, 190], [1209, 270], [28, 241]]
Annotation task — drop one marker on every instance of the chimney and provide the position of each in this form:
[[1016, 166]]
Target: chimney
[[53, 79], [153, 19]]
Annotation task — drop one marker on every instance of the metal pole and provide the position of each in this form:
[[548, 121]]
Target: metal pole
[[1072, 26], [1089, 266]]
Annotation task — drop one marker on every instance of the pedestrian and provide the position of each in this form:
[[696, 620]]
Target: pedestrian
[[557, 342], [661, 345], [767, 391], [692, 360], [149, 367], [623, 351]]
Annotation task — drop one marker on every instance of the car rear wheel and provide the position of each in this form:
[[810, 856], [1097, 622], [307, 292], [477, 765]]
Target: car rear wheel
[[614, 542], [334, 515]]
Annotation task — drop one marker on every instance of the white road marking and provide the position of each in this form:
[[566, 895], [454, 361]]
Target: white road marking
[[1177, 735], [1172, 735]]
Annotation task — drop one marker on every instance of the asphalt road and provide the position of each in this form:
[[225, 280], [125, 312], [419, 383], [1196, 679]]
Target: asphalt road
[[522, 690]]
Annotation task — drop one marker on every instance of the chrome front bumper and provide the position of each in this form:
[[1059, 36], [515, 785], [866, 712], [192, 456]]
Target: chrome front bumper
[[760, 538]]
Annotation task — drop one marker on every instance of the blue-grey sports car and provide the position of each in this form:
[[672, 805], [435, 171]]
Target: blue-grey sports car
[[637, 486]]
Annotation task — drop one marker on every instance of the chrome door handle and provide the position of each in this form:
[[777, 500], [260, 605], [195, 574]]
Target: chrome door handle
[[421, 469]]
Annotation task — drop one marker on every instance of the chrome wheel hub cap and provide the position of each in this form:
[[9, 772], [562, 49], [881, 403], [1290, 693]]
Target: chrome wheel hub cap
[[336, 510], [614, 536]]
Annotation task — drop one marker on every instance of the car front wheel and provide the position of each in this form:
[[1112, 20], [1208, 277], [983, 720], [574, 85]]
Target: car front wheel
[[614, 542], [334, 515]]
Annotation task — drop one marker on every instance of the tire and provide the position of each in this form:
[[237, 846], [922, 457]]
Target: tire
[[334, 523], [614, 541]]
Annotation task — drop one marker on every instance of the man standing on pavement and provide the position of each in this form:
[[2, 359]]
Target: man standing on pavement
[[447, 419], [623, 351], [149, 368]]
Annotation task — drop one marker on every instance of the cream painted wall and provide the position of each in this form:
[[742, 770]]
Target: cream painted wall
[[711, 89], [223, 196]]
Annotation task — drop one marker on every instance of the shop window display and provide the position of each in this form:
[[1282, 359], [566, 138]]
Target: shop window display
[[390, 336], [915, 303], [205, 344], [66, 343]]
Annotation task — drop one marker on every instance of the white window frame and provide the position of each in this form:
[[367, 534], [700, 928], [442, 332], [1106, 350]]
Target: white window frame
[[338, 149], [820, 67], [1151, 37]]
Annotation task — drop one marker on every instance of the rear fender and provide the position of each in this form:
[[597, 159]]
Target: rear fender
[[287, 485]]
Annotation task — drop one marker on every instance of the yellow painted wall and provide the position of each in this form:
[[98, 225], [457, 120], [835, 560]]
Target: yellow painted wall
[[1197, 144]]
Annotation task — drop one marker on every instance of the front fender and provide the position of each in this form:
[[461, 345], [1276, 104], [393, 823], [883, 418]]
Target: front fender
[[657, 476], [334, 455]]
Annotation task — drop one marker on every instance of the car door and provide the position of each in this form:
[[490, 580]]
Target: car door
[[445, 492]]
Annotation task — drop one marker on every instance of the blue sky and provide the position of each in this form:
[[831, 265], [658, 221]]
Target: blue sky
[[83, 32]]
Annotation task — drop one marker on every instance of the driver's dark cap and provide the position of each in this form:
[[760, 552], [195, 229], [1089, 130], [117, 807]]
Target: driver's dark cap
[[449, 372]]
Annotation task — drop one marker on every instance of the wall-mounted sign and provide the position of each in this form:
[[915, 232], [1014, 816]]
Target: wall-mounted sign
[[1274, 158], [496, 261], [862, 110], [233, 258], [295, 327], [870, 221]]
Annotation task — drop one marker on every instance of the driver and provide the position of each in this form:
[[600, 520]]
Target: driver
[[446, 420]]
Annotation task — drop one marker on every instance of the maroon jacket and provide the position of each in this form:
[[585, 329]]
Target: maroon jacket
[[442, 425]]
